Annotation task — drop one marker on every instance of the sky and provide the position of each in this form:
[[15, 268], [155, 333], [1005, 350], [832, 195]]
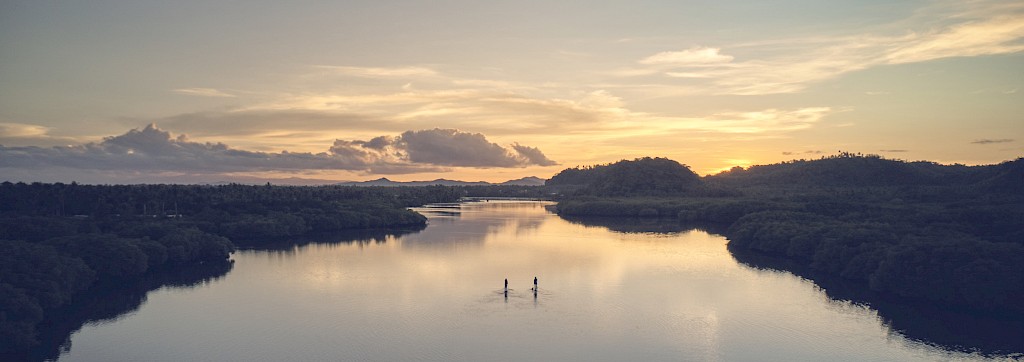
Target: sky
[[205, 91]]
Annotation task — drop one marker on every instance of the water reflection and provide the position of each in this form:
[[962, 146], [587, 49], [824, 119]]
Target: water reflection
[[644, 225], [653, 292], [290, 246], [992, 335], [959, 330], [463, 225], [107, 302]]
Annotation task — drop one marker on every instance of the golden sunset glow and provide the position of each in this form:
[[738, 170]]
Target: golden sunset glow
[[516, 90]]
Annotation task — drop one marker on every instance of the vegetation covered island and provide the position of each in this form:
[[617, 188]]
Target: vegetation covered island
[[951, 235]]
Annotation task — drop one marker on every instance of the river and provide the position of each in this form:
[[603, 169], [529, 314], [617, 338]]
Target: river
[[438, 294]]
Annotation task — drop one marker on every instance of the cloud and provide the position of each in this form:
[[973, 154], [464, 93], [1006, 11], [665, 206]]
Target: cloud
[[444, 147], [693, 56], [991, 141], [809, 152], [454, 148], [457, 108], [152, 149], [533, 155], [29, 134], [304, 121], [996, 35], [274, 121], [21, 130], [986, 28], [203, 92], [763, 121]]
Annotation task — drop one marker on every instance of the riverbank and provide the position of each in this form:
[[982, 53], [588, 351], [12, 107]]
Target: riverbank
[[58, 241], [948, 234], [962, 252]]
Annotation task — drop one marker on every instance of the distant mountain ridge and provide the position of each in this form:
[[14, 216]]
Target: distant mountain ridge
[[383, 181]]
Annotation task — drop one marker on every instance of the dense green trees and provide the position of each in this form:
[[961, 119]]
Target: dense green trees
[[34, 277], [57, 240], [947, 234], [642, 176], [917, 261], [846, 169], [39, 276]]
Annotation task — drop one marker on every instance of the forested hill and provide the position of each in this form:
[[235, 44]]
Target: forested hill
[[664, 177], [640, 177], [947, 234], [1007, 177], [848, 169]]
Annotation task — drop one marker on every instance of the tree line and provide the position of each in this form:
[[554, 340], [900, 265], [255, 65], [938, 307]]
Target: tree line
[[58, 240], [947, 234]]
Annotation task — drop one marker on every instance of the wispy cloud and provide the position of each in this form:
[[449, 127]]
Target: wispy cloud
[[988, 28], [203, 92], [810, 152], [991, 141], [590, 113], [763, 121], [999, 34], [694, 56], [21, 130], [29, 134]]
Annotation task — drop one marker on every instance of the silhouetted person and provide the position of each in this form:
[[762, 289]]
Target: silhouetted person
[[534, 283], [506, 285]]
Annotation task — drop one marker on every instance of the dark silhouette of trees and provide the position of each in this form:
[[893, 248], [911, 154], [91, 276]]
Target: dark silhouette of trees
[[640, 177], [57, 240], [948, 234]]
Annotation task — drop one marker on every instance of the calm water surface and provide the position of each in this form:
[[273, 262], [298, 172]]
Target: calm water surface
[[437, 295]]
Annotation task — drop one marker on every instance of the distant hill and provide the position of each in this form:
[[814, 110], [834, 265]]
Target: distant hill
[[525, 181], [848, 169], [661, 176], [1006, 176], [638, 177]]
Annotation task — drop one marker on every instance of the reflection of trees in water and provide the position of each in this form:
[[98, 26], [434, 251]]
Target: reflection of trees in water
[[470, 224], [289, 246], [643, 225], [111, 300], [920, 321], [923, 322]]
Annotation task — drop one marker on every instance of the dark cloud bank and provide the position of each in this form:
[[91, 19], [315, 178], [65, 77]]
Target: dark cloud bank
[[152, 149]]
